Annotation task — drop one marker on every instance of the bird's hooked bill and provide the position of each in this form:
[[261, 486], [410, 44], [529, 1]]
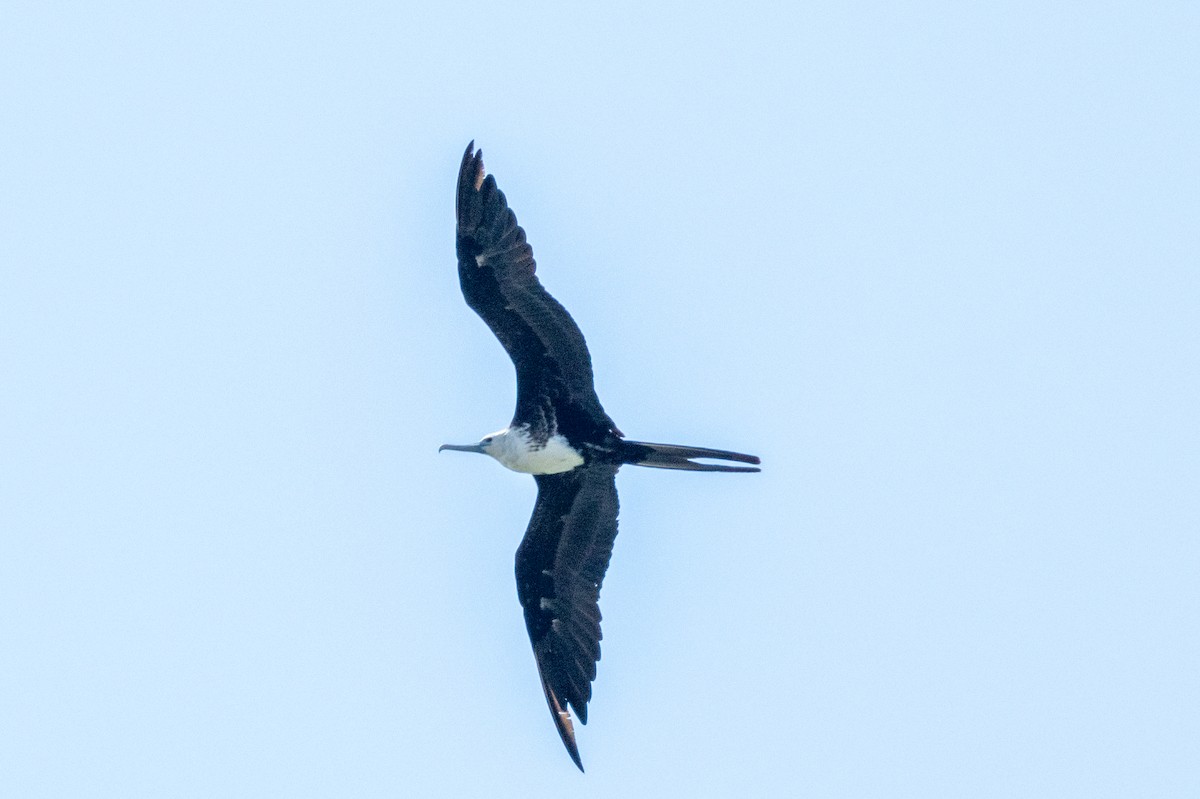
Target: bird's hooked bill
[[463, 448]]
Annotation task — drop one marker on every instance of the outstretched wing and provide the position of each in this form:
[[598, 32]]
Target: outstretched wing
[[496, 271], [560, 566]]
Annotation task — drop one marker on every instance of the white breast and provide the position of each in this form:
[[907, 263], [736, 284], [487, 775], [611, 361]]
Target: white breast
[[514, 448]]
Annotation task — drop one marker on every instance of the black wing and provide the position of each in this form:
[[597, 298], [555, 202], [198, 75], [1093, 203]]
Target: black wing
[[560, 565], [496, 271]]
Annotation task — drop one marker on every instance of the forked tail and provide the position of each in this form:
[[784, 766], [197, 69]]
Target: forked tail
[[673, 456]]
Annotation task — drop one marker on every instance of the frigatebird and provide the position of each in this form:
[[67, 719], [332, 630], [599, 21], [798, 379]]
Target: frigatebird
[[561, 435]]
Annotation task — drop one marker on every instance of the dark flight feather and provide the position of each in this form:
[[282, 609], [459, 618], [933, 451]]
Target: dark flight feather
[[497, 273], [560, 566]]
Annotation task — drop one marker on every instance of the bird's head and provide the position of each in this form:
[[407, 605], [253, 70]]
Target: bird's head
[[512, 448], [484, 447]]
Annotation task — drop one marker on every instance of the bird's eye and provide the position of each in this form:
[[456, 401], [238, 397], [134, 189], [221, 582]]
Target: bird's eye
[[486, 440]]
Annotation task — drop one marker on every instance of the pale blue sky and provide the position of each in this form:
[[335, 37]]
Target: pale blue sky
[[937, 263]]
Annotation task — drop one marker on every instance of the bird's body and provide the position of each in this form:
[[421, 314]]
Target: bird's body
[[561, 434], [517, 448]]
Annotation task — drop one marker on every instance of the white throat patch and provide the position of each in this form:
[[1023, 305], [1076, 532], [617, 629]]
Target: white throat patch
[[514, 449]]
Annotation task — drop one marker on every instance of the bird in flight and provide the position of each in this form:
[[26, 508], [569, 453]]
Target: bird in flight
[[561, 435]]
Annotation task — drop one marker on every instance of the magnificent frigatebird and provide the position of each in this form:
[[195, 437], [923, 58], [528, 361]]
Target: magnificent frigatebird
[[561, 435]]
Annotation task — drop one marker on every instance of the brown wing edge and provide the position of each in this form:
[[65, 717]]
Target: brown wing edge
[[470, 177], [562, 718]]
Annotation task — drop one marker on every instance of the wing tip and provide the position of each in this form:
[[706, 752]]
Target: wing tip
[[472, 165], [471, 174], [562, 720]]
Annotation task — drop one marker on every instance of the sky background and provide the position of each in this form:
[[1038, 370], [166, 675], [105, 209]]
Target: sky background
[[937, 263]]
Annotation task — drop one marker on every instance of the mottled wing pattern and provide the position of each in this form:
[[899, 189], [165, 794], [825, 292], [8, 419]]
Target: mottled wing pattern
[[560, 567], [496, 271]]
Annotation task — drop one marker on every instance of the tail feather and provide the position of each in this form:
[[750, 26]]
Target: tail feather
[[674, 456]]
